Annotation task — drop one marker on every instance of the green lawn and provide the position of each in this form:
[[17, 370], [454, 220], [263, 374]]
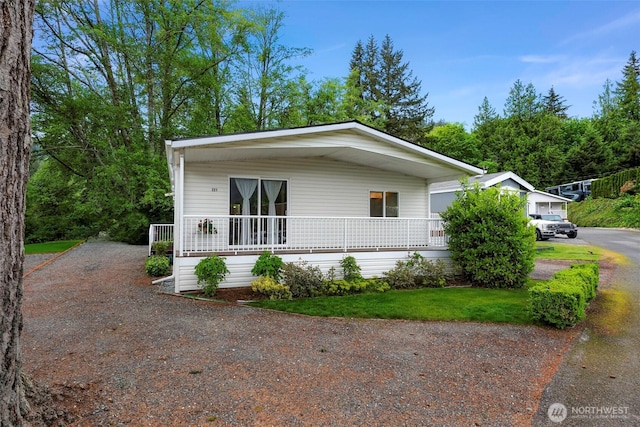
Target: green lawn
[[49, 247], [446, 304], [449, 304], [550, 250]]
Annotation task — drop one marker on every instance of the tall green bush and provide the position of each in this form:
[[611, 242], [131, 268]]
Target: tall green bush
[[268, 265], [489, 237]]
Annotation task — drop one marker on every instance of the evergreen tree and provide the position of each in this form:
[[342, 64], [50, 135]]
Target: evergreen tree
[[627, 91], [523, 102], [555, 104], [385, 92]]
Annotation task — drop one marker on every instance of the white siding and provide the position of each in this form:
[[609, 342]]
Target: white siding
[[371, 264], [317, 187]]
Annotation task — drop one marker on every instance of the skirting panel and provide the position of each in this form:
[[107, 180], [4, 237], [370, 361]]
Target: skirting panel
[[371, 263]]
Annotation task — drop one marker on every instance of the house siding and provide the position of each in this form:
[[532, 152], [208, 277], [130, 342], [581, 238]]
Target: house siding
[[312, 187]]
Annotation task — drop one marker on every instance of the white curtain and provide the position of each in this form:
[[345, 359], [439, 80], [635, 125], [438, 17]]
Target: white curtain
[[272, 189], [246, 187]]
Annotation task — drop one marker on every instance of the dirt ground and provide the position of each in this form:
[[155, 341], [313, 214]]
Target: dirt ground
[[112, 350]]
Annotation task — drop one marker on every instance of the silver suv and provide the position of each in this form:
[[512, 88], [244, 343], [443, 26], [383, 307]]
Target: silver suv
[[562, 227]]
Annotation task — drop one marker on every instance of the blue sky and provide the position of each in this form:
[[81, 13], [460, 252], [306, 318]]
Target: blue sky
[[462, 51]]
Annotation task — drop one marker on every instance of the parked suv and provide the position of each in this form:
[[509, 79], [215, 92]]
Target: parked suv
[[562, 227], [544, 228]]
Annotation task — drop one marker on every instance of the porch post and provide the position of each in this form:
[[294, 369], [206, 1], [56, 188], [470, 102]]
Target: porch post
[[181, 202], [345, 235]]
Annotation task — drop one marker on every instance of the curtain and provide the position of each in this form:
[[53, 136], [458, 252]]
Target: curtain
[[246, 187], [272, 189]]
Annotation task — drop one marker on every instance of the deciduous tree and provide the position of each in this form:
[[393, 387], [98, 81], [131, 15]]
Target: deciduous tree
[[16, 23]]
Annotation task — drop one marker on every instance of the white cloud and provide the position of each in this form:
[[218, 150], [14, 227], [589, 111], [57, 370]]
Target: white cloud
[[541, 59]]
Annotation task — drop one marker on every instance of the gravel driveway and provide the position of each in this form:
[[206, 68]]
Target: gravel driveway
[[114, 351]]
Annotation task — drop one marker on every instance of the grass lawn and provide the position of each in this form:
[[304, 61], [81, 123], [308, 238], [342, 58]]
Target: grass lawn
[[445, 304], [449, 304], [550, 250], [49, 247]]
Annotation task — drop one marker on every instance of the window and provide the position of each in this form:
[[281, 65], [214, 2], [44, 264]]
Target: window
[[383, 204]]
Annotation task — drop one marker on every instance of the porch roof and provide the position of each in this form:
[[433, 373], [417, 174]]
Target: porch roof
[[329, 141]]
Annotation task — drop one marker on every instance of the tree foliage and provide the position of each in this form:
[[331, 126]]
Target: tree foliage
[[113, 80]]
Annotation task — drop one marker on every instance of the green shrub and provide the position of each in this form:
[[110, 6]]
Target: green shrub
[[157, 266], [562, 301], [489, 237], [268, 286], [350, 269], [304, 280], [268, 265], [160, 247], [417, 272], [210, 271], [344, 287]]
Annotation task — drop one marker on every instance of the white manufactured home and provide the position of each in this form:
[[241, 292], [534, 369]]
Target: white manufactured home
[[545, 203], [442, 194], [313, 194]]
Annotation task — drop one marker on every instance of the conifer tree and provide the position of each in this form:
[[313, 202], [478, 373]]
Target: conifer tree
[[555, 104], [627, 91], [387, 92]]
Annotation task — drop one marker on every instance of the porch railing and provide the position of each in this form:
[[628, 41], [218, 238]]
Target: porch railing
[[160, 233], [238, 233]]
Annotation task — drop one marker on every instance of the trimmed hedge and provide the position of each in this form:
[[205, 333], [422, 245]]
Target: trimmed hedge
[[610, 186], [562, 301]]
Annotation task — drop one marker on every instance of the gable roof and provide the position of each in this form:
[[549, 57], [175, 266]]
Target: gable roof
[[352, 142], [551, 196], [485, 181]]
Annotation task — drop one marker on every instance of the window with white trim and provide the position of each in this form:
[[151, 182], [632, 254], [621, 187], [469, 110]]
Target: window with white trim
[[383, 204]]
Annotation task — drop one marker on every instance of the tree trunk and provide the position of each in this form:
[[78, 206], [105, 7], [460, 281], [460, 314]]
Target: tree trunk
[[16, 23]]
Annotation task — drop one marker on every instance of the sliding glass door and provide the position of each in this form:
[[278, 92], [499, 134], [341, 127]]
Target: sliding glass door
[[261, 207]]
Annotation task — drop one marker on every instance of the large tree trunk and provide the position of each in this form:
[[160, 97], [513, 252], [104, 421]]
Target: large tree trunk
[[16, 23]]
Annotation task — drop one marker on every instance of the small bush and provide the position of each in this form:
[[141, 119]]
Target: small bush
[[210, 271], [562, 301], [160, 247], [268, 265], [344, 287], [350, 269], [417, 272], [304, 280], [157, 266], [268, 286]]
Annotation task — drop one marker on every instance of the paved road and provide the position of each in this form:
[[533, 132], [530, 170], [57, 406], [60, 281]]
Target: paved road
[[599, 381]]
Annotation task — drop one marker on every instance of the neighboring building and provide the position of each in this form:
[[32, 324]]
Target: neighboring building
[[311, 193], [539, 202], [443, 193], [576, 191]]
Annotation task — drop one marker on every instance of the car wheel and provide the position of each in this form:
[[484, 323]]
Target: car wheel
[[538, 235], [572, 235]]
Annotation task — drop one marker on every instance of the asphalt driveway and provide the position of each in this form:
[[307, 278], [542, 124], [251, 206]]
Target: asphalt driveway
[[598, 383]]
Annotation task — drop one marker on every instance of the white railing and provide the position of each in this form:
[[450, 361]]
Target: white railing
[[238, 233], [160, 233]]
